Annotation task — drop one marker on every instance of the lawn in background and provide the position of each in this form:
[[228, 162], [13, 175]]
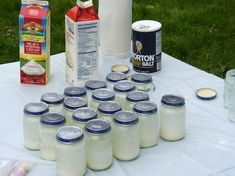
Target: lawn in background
[[199, 32]]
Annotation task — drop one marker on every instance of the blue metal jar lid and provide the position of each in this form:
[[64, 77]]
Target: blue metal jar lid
[[52, 119], [52, 98], [173, 100], [116, 76], [103, 95], [141, 78], [124, 86], [74, 91], [36, 109], [73, 103], [97, 127], [69, 135], [84, 114], [95, 84], [137, 96], [125, 118], [145, 107], [109, 107]]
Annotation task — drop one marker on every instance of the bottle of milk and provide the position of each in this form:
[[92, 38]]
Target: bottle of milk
[[82, 43]]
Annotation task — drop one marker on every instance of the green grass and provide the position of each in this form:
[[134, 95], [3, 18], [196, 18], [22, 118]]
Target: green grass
[[201, 33]]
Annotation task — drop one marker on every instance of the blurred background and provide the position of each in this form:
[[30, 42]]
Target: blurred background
[[198, 32]]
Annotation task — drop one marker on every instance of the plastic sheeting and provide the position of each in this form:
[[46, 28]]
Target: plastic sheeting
[[207, 149]]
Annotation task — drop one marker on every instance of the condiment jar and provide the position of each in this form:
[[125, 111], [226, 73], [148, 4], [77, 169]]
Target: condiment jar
[[173, 117], [121, 89], [83, 115], [54, 101], [143, 81], [125, 135], [107, 109], [75, 91], [50, 124], [31, 122], [134, 97], [114, 77], [149, 123], [71, 104], [70, 152], [101, 95], [98, 144]]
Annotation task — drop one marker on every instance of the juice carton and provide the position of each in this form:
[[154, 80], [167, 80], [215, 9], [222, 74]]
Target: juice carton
[[34, 40], [82, 43]]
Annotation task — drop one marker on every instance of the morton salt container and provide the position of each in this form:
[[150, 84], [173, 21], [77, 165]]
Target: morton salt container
[[82, 43], [146, 45]]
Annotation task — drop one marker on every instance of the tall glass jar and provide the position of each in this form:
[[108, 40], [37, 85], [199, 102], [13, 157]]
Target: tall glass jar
[[149, 123], [107, 109], [98, 144], [121, 89], [133, 97], [228, 82], [75, 91], [83, 115], [101, 95], [125, 135], [172, 117], [114, 77], [70, 152], [50, 124], [54, 101], [71, 104], [31, 123]]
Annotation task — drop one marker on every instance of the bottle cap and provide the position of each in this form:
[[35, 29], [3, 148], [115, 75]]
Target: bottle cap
[[97, 127], [52, 98], [125, 118], [69, 135], [36, 109], [84, 114], [206, 94], [74, 91], [73, 103], [52, 119], [145, 107]]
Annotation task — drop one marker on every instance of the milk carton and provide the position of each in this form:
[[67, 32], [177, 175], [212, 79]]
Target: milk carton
[[82, 41], [34, 40]]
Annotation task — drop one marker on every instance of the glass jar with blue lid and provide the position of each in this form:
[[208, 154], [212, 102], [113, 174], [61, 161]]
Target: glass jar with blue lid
[[143, 82], [133, 97], [125, 135], [50, 123], [114, 77], [31, 123], [70, 147], [99, 152], [149, 123], [173, 117], [54, 101], [83, 115], [75, 91], [70, 105]]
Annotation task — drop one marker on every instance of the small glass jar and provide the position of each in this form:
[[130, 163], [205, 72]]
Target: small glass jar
[[99, 152], [101, 95], [114, 77], [172, 117], [121, 89], [75, 91], [83, 115], [71, 104], [149, 123], [125, 135], [70, 152], [31, 123], [143, 82], [54, 101], [50, 124], [107, 109], [133, 97]]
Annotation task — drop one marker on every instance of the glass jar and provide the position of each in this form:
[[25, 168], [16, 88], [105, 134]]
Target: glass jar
[[71, 104], [121, 89], [134, 97], [101, 95], [83, 115], [107, 109], [54, 101], [143, 81], [228, 82], [75, 91], [31, 123], [98, 144], [114, 77], [149, 123], [125, 135], [50, 124], [172, 117], [70, 152]]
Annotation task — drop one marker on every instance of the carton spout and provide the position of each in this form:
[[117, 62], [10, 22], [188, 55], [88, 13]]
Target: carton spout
[[84, 3]]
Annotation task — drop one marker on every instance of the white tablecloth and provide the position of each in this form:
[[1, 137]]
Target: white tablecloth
[[209, 145]]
